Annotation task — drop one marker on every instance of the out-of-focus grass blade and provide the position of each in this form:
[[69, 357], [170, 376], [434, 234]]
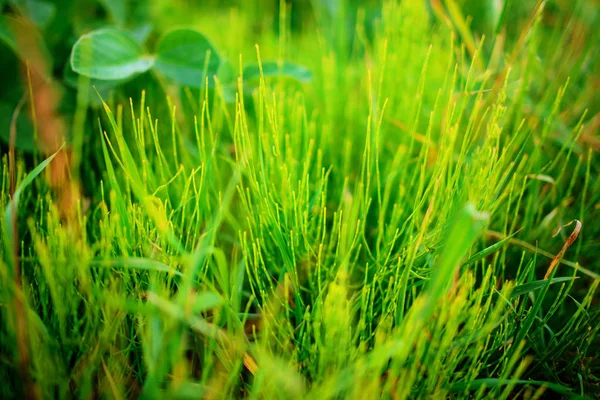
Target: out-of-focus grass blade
[[499, 13], [136, 263], [463, 28], [205, 301], [198, 325], [465, 227]]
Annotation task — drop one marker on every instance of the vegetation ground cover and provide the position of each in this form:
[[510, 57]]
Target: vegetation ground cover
[[338, 199]]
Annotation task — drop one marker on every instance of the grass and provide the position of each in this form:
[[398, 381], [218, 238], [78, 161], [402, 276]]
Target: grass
[[397, 227]]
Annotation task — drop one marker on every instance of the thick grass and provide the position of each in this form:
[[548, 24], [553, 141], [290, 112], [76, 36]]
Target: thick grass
[[389, 229]]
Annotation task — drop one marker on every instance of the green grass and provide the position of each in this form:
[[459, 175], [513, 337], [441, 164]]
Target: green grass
[[382, 231]]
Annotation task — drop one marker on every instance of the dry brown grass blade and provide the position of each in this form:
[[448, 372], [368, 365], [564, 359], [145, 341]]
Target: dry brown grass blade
[[567, 244], [45, 97], [534, 249]]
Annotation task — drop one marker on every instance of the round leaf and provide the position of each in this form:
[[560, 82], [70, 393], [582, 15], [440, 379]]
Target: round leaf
[[109, 54], [72, 80], [186, 57]]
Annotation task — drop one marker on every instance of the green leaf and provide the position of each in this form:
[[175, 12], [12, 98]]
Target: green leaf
[[141, 32], [273, 69], [536, 285], [13, 207], [186, 57], [71, 79], [109, 54]]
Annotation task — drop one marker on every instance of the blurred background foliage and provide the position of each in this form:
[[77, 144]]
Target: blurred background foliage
[[334, 24], [336, 41]]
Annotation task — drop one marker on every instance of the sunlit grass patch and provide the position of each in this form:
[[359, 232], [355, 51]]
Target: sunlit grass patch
[[415, 220]]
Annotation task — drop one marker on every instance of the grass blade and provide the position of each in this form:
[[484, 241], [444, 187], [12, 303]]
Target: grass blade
[[13, 206]]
